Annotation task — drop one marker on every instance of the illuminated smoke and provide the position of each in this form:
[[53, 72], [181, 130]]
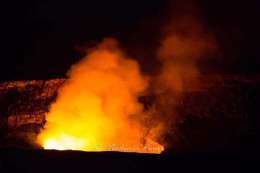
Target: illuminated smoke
[[97, 108], [185, 42]]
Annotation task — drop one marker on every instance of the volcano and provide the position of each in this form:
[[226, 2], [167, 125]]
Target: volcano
[[220, 115]]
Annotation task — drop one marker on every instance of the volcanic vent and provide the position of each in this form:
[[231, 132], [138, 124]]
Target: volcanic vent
[[222, 113], [108, 103], [97, 108]]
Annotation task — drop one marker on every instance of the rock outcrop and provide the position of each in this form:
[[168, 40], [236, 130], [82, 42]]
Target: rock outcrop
[[23, 105]]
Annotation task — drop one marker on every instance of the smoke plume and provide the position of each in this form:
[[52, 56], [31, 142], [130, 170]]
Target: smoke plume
[[97, 108], [184, 43]]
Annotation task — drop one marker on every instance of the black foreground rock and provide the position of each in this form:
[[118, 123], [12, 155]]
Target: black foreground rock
[[41, 161]]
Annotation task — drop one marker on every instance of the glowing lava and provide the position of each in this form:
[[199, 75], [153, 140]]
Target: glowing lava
[[97, 108]]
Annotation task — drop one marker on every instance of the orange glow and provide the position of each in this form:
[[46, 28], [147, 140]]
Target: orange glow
[[97, 108]]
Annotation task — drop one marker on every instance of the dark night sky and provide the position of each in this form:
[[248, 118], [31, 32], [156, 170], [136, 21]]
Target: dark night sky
[[41, 38]]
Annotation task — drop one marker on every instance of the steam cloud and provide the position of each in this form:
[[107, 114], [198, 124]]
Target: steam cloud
[[97, 108], [103, 88], [185, 41]]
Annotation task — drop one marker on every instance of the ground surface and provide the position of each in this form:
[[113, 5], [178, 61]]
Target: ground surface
[[41, 161]]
